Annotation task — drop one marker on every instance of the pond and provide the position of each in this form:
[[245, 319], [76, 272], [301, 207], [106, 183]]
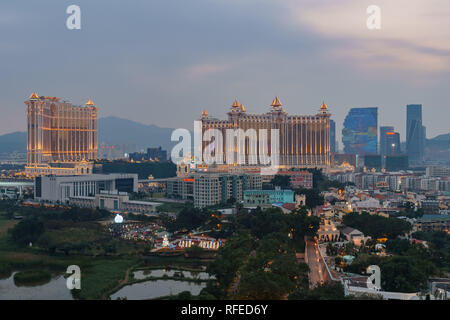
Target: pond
[[55, 289], [155, 289], [142, 274]]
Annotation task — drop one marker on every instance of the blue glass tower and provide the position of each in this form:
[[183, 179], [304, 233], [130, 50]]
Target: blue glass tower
[[332, 136], [360, 132], [415, 132]]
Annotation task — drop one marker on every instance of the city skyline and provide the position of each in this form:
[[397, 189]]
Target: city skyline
[[225, 150], [188, 61]]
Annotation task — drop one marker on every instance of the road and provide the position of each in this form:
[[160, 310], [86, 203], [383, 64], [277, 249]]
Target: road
[[317, 271]]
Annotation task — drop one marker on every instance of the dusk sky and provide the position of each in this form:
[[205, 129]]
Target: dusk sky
[[163, 61]]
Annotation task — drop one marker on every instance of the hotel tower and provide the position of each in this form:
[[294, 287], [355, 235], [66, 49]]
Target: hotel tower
[[304, 139], [62, 138]]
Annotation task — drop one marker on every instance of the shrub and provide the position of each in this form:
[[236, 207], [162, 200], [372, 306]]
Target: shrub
[[32, 277]]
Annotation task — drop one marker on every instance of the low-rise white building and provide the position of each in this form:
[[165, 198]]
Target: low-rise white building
[[62, 188], [116, 202]]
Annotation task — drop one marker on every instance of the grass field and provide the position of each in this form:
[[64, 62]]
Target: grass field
[[171, 207], [6, 224], [100, 276]]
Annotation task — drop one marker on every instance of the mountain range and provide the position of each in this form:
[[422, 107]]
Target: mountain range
[[119, 131], [111, 131]]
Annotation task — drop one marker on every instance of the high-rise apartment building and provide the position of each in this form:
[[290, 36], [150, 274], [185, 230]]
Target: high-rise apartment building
[[62, 138], [208, 189], [415, 133], [304, 141], [438, 171], [391, 143], [360, 132], [383, 130]]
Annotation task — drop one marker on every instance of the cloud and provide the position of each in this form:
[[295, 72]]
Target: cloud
[[200, 71], [414, 33]]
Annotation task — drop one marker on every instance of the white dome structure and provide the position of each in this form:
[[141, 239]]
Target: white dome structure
[[118, 218]]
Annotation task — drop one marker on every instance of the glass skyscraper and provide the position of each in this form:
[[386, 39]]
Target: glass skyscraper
[[415, 132], [383, 131], [360, 132], [332, 136], [392, 143]]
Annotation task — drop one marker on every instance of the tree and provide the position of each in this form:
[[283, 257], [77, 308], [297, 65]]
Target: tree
[[302, 224], [26, 231], [228, 260], [272, 271], [9, 213], [361, 262], [195, 251], [191, 218], [409, 211], [185, 295], [109, 248], [313, 197], [325, 291], [398, 246], [405, 274], [331, 250], [262, 222], [261, 285], [282, 181], [376, 226]]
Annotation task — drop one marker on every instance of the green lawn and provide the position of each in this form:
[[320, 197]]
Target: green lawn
[[5, 225], [102, 275], [98, 274]]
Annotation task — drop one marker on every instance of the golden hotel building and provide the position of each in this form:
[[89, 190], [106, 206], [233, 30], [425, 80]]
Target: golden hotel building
[[304, 139], [62, 138]]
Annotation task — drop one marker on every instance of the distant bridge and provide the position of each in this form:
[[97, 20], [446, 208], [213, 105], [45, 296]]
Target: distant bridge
[[16, 184], [5, 185]]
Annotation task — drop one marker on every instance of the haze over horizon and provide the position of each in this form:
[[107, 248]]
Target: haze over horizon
[[162, 62]]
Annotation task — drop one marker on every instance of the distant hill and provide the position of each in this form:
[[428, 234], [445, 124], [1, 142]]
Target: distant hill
[[442, 137], [111, 131], [438, 148], [13, 142]]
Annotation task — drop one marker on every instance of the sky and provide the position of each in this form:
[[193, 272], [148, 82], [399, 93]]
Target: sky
[[163, 61]]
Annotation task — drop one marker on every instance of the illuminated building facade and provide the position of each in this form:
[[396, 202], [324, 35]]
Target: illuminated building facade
[[391, 143], [383, 141], [62, 138], [359, 134], [304, 140]]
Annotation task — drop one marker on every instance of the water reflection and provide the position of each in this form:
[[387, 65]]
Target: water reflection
[[158, 288], [56, 289], [142, 274]]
